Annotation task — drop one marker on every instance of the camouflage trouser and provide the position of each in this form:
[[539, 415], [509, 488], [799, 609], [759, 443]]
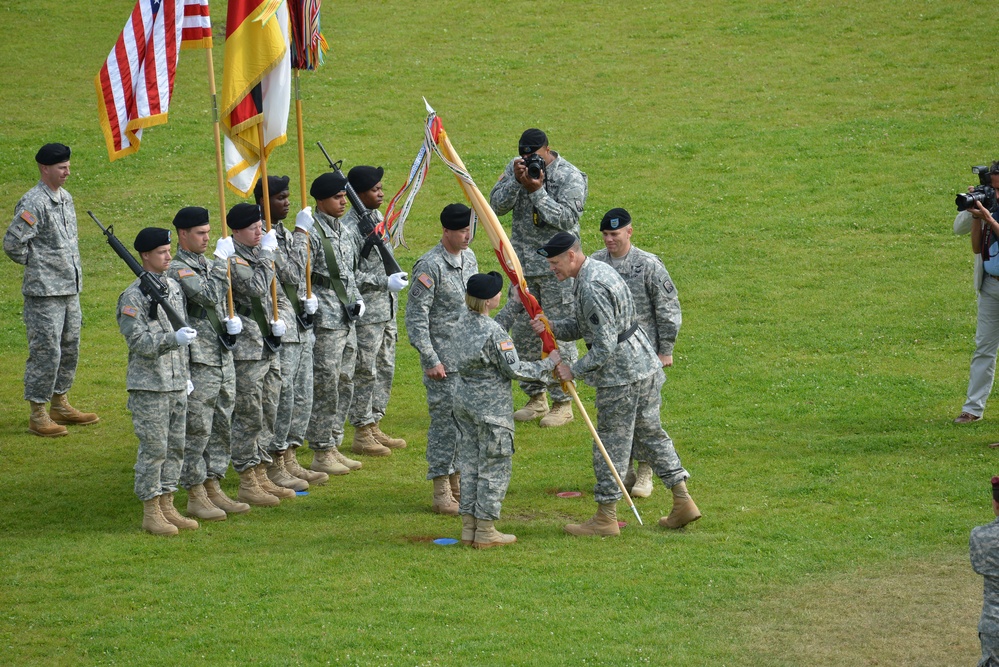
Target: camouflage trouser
[[303, 393], [328, 358], [556, 300], [345, 392], [629, 414], [209, 421], [373, 371], [53, 324], [258, 387], [484, 459], [990, 650], [291, 355], [158, 418], [442, 435]]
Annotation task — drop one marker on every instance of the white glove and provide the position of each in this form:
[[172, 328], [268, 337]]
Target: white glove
[[233, 326], [190, 387], [269, 242], [397, 281], [224, 248], [278, 328], [304, 219], [184, 336], [310, 305], [360, 309]]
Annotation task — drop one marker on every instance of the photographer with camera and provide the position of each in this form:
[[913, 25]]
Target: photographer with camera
[[977, 214], [546, 195]]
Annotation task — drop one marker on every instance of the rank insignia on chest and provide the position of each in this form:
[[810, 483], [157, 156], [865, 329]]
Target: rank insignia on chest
[[506, 345], [130, 311], [426, 281], [28, 218], [185, 273]]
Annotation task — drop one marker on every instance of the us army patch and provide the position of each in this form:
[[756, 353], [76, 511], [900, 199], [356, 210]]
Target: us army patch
[[426, 280], [506, 345], [579, 206], [185, 273], [129, 310], [594, 319], [240, 260], [668, 286], [28, 218]]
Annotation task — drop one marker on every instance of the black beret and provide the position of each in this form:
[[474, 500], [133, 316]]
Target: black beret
[[995, 489], [151, 238], [243, 215], [275, 184], [328, 185], [616, 218], [557, 244], [50, 154], [363, 178], [190, 216], [531, 140], [456, 216], [485, 285]]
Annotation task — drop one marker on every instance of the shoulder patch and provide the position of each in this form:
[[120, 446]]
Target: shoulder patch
[[426, 280], [506, 345], [579, 205], [28, 218], [668, 286], [129, 310], [594, 319], [240, 260], [185, 273]]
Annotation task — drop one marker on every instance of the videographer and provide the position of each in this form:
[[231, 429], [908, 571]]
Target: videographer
[[980, 221]]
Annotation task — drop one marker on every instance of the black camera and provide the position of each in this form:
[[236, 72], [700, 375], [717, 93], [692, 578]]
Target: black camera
[[983, 192], [535, 165]]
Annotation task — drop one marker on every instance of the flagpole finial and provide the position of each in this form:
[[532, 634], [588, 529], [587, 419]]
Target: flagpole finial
[[430, 109]]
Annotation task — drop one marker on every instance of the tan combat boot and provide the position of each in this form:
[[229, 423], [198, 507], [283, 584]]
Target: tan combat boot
[[560, 415], [487, 536], [277, 474], [643, 482], [199, 505], [64, 413], [630, 477], [350, 464], [684, 510], [454, 481], [536, 407], [41, 424], [467, 529], [365, 443], [385, 439], [443, 500], [270, 487], [324, 461], [604, 522], [171, 514], [293, 467], [153, 520], [251, 493], [222, 501]]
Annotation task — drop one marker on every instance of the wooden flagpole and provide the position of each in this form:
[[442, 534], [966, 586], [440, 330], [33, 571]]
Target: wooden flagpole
[[301, 178], [220, 171], [267, 207]]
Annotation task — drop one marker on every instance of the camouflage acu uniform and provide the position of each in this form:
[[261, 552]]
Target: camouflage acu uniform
[[332, 328], [984, 548], [486, 361], [627, 375], [436, 303], [42, 237], [258, 368], [157, 388], [209, 407], [536, 217], [367, 394], [290, 263], [657, 303]]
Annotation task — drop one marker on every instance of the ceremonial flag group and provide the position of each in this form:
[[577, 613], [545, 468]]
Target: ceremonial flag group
[[136, 81]]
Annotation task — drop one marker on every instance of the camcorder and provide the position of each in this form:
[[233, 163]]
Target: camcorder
[[535, 165], [983, 192]]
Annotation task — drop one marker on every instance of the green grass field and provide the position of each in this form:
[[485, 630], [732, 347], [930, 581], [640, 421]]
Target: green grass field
[[794, 165]]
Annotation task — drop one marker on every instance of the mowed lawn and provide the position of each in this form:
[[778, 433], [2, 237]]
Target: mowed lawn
[[795, 166]]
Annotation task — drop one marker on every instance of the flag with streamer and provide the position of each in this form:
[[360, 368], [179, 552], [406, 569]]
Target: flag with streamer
[[307, 42]]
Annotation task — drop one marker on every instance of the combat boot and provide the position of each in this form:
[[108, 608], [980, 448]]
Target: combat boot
[[487, 536], [630, 477], [200, 505], [443, 500], [324, 461], [349, 464], [385, 439], [222, 501], [560, 415], [536, 407], [277, 474], [604, 522], [251, 493], [270, 487], [171, 514], [365, 443], [41, 424], [62, 412], [467, 529], [643, 482], [684, 510], [153, 520], [294, 468], [454, 481]]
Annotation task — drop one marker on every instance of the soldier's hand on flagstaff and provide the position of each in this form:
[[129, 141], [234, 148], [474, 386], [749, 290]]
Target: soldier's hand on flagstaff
[[233, 326], [190, 387], [563, 373], [397, 281], [269, 241], [360, 309], [310, 305], [184, 336], [436, 373], [278, 328], [304, 219], [555, 356], [538, 325], [667, 360], [224, 248]]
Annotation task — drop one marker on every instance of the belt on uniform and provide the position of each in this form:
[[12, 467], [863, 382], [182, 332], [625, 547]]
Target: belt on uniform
[[624, 335]]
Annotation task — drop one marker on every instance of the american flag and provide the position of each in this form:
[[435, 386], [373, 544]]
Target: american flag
[[136, 81]]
